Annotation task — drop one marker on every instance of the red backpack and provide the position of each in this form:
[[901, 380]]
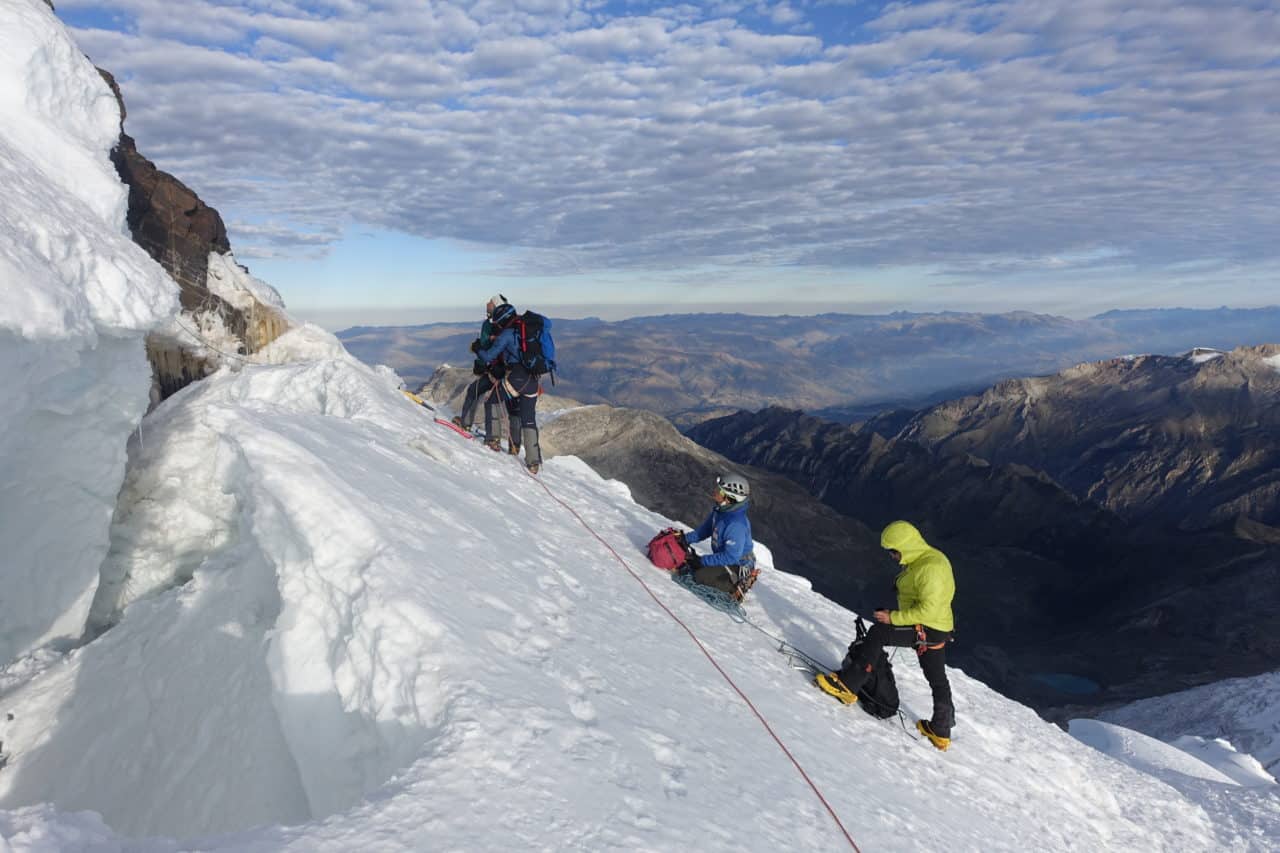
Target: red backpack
[[668, 550]]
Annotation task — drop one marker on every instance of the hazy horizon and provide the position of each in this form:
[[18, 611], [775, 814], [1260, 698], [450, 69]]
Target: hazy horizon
[[340, 320]]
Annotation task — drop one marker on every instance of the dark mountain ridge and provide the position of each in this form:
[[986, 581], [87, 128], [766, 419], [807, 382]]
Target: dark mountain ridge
[[1051, 580], [1193, 441]]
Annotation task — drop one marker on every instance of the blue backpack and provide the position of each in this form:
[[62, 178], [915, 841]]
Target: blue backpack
[[537, 348]]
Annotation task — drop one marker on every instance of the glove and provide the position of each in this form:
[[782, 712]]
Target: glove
[[693, 563], [475, 345], [478, 368]]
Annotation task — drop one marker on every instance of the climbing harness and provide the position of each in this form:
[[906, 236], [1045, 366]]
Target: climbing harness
[[922, 642]]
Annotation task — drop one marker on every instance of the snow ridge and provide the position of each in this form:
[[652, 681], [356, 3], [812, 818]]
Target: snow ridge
[[76, 298]]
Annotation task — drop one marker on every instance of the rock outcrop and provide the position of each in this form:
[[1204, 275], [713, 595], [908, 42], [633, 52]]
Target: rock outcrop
[[181, 232]]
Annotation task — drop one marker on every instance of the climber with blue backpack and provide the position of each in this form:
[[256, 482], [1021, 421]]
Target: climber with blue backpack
[[522, 351]]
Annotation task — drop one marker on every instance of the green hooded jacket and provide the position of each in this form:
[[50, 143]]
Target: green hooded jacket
[[926, 584]]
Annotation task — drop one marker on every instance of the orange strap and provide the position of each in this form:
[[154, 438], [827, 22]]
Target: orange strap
[[922, 642]]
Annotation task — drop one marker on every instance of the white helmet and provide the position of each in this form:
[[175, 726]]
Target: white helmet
[[733, 487]]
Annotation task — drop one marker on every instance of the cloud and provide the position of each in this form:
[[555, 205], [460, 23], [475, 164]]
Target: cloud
[[971, 135]]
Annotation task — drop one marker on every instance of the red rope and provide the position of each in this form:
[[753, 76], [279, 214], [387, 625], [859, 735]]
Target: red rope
[[709, 657]]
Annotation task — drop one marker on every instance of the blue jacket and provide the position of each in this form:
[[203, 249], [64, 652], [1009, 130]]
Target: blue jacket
[[506, 345], [730, 532]]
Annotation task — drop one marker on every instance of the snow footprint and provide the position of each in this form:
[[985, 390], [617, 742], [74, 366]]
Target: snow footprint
[[580, 705], [666, 754], [571, 583]]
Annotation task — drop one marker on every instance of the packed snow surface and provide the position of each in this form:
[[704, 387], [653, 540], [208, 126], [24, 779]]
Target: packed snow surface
[[1244, 712], [345, 625], [1146, 753], [236, 285], [324, 622], [76, 298]]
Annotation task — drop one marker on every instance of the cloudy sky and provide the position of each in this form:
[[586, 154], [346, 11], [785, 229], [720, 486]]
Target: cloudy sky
[[387, 160]]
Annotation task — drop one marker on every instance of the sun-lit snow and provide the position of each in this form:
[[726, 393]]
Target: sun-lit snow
[[236, 285], [1232, 787], [327, 623], [1145, 753], [343, 616], [1200, 355], [76, 298], [1245, 712]]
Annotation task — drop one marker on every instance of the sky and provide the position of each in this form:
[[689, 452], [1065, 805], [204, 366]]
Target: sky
[[401, 160]]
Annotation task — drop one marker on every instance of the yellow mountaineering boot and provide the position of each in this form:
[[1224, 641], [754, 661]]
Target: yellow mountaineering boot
[[829, 682], [937, 740]]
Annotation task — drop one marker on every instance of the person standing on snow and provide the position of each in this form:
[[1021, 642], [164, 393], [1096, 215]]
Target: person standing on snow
[[923, 620], [518, 388], [484, 382], [731, 560]]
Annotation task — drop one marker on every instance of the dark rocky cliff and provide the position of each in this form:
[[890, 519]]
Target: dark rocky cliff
[[1191, 441], [179, 231], [1047, 583]]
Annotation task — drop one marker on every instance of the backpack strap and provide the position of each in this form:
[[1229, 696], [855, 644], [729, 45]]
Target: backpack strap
[[520, 330]]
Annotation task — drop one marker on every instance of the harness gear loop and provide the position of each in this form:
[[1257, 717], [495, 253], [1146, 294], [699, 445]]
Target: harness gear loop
[[922, 642]]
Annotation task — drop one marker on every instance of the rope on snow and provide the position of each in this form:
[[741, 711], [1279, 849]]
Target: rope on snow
[[702, 648]]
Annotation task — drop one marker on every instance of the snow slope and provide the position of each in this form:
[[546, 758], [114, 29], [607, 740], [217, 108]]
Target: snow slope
[[1231, 787], [326, 623], [374, 633], [1145, 753], [76, 298], [1245, 712]]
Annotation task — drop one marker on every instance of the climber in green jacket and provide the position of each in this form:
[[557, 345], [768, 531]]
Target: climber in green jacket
[[923, 620]]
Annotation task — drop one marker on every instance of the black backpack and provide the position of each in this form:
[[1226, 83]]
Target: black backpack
[[878, 695], [537, 349]]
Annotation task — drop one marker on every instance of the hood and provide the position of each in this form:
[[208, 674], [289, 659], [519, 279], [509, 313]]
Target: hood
[[902, 536]]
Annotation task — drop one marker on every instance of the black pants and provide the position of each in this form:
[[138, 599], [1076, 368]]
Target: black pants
[[723, 578], [933, 662], [521, 409], [475, 392]]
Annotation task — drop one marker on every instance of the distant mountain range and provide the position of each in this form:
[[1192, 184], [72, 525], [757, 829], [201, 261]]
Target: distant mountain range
[[1190, 440], [1115, 526], [845, 367], [1109, 520]]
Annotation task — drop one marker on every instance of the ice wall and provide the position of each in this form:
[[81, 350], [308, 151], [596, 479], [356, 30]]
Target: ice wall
[[76, 298]]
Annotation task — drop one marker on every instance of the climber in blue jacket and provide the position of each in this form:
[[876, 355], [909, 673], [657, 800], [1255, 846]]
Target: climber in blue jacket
[[731, 562]]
